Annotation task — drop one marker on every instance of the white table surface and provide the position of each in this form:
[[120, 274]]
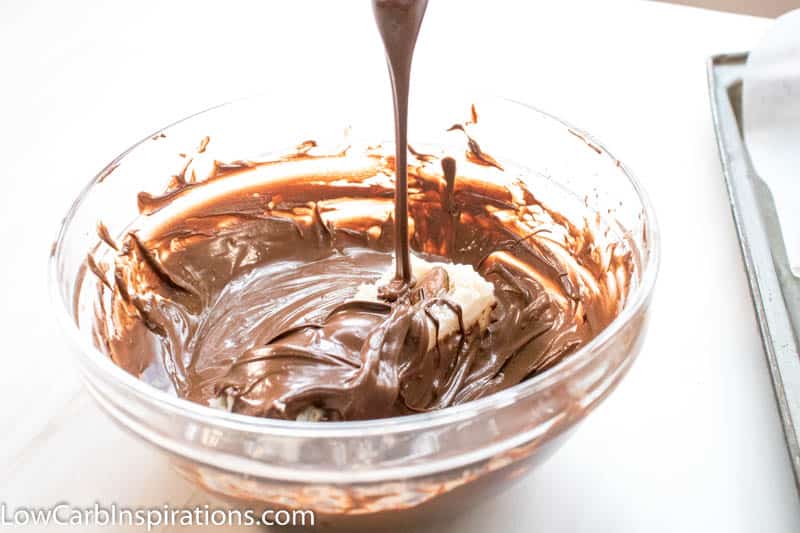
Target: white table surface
[[690, 441]]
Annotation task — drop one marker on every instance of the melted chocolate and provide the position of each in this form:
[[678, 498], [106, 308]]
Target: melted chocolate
[[244, 298]]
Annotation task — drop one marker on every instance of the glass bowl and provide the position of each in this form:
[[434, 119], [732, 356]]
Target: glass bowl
[[374, 473]]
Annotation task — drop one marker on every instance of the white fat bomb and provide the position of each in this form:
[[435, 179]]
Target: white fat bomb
[[467, 288]]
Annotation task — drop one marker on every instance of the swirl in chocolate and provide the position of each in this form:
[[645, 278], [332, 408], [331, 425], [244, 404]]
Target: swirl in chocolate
[[266, 287]]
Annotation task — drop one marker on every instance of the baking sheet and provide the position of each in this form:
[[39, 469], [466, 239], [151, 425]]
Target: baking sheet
[[775, 290]]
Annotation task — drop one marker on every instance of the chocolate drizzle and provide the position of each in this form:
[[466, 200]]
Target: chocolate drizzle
[[398, 22]]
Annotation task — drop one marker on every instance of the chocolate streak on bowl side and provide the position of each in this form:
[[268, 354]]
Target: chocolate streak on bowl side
[[244, 298]]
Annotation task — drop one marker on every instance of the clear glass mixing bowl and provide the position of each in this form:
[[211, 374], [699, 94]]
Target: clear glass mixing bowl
[[368, 473]]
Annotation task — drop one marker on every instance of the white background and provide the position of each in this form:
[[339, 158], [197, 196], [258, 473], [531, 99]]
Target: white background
[[690, 441]]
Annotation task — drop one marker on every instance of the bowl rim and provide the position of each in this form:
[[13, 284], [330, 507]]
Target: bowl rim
[[359, 428]]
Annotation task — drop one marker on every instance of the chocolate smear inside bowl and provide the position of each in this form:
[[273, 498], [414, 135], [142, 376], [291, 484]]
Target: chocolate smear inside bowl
[[266, 287]]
